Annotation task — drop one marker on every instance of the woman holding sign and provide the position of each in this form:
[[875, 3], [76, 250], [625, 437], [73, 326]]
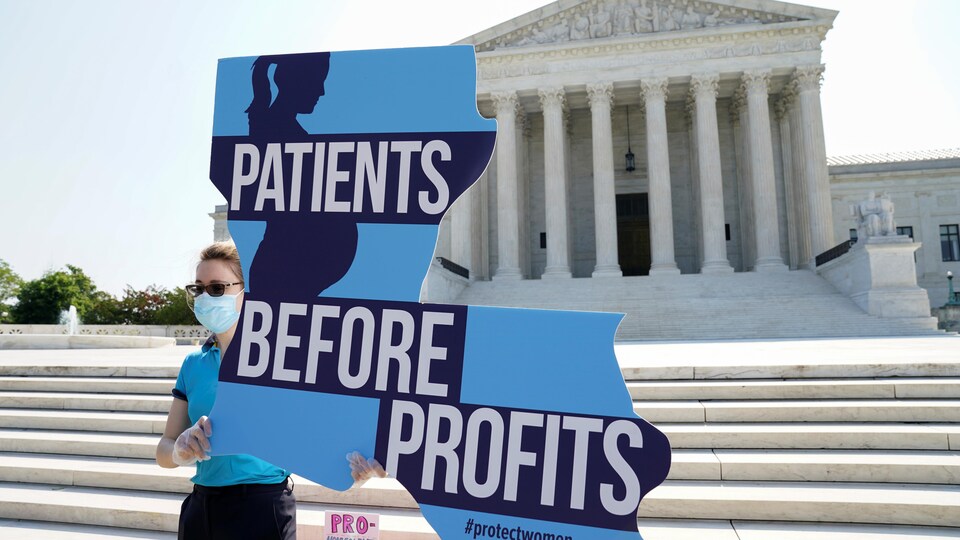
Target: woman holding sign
[[234, 496]]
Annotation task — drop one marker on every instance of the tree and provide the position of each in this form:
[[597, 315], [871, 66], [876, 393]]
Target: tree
[[41, 301], [104, 310], [141, 307], [153, 305], [177, 309], [10, 284]]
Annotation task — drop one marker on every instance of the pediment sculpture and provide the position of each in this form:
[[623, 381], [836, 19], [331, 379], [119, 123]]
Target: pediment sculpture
[[620, 18]]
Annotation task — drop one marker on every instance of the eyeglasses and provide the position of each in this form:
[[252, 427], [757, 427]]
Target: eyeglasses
[[213, 289]]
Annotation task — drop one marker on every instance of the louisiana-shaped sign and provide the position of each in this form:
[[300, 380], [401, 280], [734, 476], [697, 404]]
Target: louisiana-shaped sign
[[502, 423]]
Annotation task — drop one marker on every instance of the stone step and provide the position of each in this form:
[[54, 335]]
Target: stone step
[[80, 408], [697, 307], [801, 410], [681, 286], [23, 368], [865, 466], [813, 435], [727, 465], [650, 529], [155, 511], [86, 402], [766, 389], [805, 359], [144, 413], [840, 410], [79, 443], [125, 422], [42, 530], [902, 504], [778, 530], [105, 385], [935, 437]]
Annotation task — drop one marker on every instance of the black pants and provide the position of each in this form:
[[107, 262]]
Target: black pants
[[246, 511]]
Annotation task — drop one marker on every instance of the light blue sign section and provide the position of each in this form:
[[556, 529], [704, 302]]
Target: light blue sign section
[[247, 236], [416, 90], [452, 523], [308, 433], [233, 95], [569, 353], [390, 264]]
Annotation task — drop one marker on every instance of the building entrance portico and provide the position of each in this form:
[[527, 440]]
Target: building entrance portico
[[725, 125]]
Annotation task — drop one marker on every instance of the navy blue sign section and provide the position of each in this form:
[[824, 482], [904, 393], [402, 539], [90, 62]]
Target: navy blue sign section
[[375, 349], [502, 423]]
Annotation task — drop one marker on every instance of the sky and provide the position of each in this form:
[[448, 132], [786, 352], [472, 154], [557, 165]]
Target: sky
[[106, 107]]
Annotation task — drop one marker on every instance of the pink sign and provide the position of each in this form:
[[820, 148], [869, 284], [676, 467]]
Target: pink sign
[[351, 526]]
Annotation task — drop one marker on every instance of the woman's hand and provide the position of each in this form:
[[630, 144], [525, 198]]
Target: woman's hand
[[364, 469], [192, 445]]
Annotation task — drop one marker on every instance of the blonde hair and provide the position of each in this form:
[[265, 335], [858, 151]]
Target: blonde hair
[[226, 252]]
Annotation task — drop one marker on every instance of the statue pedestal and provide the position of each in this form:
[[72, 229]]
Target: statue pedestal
[[879, 274]]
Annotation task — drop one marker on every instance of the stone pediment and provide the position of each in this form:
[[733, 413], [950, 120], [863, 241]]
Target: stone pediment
[[572, 21]]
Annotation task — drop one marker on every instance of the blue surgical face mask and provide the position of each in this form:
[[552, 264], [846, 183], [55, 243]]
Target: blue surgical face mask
[[216, 313]]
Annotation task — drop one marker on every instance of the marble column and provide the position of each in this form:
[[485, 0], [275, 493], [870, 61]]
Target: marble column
[[604, 195], [816, 179], [805, 252], [555, 183], [704, 90], [738, 120], [759, 138], [782, 110], [663, 259], [461, 229], [508, 226]]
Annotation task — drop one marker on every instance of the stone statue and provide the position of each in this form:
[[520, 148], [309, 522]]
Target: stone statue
[[667, 22], [874, 217], [559, 32], [623, 19], [643, 21], [690, 20], [712, 19], [581, 27], [600, 24]]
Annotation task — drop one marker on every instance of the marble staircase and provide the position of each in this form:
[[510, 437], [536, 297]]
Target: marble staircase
[[746, 305], [773, 440]]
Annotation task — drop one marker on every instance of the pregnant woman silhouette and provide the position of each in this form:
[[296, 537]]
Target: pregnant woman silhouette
[[302, 253]]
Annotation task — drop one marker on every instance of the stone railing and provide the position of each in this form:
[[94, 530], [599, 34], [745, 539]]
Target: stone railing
[[183, 334], [879, 274], [442, 285]]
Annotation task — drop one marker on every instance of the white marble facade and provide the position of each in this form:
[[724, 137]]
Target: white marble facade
[[925, 190], [724, 122]]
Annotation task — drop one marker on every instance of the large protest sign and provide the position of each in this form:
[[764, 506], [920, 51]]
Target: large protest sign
[[337, 169]]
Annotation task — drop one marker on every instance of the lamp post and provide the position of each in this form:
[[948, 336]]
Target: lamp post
[[952, 299], [631, 162]]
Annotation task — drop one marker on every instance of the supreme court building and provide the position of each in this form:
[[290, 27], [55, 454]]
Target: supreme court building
[[717, 104]]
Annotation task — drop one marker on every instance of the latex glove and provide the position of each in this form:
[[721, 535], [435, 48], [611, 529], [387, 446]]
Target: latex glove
[[362, 469], [192, 445]]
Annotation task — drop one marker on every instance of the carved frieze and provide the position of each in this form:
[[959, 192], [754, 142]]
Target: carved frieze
[[668, 51], [601, 19]]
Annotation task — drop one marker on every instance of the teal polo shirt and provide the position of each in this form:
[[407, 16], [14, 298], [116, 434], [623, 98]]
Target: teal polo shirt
[[197, 385]]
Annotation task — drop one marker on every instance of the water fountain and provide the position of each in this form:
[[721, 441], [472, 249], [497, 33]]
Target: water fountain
[[69, 319]]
